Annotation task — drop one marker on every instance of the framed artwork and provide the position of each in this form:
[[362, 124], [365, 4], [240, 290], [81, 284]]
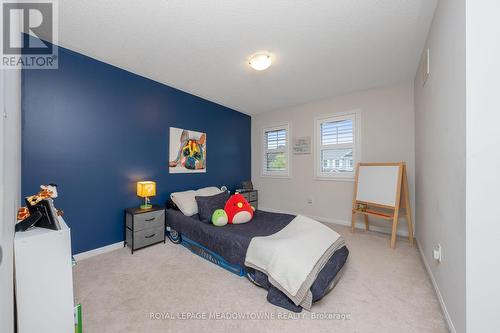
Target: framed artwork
[[187, 151], [302, 145]]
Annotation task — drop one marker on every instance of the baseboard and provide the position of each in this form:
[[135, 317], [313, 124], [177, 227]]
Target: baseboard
[[92, 253], [446, 314], [359, 225]]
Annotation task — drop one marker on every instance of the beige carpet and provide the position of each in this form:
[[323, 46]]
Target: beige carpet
[[382, 290]]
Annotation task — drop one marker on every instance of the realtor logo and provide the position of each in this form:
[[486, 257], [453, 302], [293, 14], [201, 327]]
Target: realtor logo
[[29, 34]]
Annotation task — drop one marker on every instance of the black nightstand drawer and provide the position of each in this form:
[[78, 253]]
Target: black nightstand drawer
[[251, 196], [145, 237], [148, 220]]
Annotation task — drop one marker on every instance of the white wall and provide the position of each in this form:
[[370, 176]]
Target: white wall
[[483, 166], [10, 187], [387, 135], [440, 158]]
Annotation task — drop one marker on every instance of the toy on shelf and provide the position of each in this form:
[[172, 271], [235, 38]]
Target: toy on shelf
[[40, 210]]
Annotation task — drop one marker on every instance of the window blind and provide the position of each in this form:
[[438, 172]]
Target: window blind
[[275, 151], [276, 139], [336, 145], [336, 132]]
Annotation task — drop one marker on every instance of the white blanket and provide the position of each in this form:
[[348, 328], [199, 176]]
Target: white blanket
[[293, 257]]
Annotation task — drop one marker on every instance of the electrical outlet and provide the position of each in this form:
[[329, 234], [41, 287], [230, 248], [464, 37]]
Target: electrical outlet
[[437, 253], [426, 66], [310, 200]]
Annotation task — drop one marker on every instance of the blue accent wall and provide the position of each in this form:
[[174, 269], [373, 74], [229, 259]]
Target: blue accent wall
[[95, 130]]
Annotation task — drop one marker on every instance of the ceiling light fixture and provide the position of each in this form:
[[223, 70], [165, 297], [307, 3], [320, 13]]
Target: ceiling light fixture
[[260, 61]]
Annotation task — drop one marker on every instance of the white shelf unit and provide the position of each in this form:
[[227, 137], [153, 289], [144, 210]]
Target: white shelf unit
[[44, 280]]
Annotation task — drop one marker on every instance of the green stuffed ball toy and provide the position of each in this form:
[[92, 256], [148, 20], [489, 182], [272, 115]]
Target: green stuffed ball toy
[[219, 218]]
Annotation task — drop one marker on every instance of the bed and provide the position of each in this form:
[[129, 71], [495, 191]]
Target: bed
[[227, 246]]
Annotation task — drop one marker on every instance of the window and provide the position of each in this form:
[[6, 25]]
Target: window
[[337, 142], [276, 154]]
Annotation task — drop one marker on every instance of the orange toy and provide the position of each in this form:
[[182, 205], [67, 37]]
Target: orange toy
[[47, 191], [22, 213], [238, 210]]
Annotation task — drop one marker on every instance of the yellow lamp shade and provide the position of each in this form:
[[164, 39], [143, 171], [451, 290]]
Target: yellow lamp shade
[[146, 189]]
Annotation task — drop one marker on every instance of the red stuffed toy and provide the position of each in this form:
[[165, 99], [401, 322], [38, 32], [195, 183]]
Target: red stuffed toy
[[238, 210]]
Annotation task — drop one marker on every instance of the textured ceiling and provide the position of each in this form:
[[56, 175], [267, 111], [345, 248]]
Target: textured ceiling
[[321, 48]]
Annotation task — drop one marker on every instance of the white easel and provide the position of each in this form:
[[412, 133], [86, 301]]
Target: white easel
[[381, 190]]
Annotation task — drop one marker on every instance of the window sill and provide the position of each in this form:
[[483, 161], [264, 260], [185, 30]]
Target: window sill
[[336, 179]]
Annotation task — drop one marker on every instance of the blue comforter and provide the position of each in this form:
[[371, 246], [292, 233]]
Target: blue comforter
[[231, 242]]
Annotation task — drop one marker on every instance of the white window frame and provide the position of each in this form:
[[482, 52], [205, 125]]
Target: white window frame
[[355, 115], [275, 174]]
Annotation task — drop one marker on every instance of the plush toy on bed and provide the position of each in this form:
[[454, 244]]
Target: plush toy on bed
[[219, 218], [238, 210]]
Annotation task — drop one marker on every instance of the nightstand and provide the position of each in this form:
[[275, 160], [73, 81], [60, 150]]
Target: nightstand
[[144, 227], [251, 196]]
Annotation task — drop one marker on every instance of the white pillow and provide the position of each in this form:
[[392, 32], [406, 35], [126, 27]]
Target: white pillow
[[208, 191], [187, 203]]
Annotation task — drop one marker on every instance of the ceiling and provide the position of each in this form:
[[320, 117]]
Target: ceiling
[[320, 48]]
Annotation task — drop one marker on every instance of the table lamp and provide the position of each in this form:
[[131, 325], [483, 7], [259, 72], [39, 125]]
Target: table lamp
[[145, 190]]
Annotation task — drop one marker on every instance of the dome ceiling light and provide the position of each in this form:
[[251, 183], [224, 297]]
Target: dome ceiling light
[[260, 61]]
